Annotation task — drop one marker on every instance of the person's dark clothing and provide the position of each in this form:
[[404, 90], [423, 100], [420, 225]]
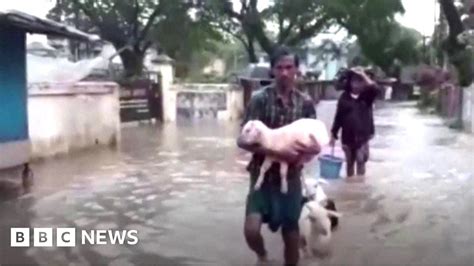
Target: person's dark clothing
[[355, 117]]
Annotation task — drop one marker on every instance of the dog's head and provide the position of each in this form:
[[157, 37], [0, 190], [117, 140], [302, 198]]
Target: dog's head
[[313, 189], [252, 132]]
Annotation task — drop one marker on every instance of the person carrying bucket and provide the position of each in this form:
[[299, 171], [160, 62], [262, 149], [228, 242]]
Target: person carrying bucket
[[354, 115]]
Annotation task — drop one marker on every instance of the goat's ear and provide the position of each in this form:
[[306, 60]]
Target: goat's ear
[[334, 214]]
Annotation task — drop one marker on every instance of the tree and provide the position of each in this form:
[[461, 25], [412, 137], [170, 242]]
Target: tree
[[459, 53], [294, 21], [122, 23], [458, 44], [195, 37], [380, 38]]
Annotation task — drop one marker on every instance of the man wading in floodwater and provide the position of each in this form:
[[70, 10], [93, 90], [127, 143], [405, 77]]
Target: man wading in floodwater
[[277, 105], [354, 115]]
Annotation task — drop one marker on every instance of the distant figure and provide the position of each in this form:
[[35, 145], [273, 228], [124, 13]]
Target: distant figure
[[354, 115], [27, 177]]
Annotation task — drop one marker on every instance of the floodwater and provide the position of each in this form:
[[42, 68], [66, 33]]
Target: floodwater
[[183, 187]]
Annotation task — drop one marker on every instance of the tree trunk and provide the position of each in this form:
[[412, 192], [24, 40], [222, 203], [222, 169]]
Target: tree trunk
[[454, 21], [132, 62], [251, 53]]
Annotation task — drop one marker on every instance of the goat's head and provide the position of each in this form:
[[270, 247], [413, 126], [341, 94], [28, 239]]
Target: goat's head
[[252, 132]]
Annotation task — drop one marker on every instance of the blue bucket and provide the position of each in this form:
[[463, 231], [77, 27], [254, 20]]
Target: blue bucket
[[330, 166]]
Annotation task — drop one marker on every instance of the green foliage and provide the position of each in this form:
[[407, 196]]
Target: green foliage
[[196, 39], [193, 40], [463, 61], [459, 54], [296, 20], [124, 23], [233, 55], [381, 39]]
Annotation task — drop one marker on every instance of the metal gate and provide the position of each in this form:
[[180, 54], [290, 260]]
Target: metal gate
[[141, 100]]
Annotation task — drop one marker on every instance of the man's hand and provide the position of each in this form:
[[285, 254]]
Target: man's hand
[[360, 72], [314, 148]]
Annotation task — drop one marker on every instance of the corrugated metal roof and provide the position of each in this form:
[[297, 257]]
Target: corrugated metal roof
[[33, 24]]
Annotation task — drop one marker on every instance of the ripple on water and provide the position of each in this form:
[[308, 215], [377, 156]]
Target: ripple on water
[[178, 174], [178, 194], [205, 173], [422, 175], [168, 154], [185, 180]]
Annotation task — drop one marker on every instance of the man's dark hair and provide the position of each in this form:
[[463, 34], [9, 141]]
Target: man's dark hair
[[281, 52], [343, 79]]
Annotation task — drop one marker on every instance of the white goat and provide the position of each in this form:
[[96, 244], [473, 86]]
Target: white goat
[[306, 130]]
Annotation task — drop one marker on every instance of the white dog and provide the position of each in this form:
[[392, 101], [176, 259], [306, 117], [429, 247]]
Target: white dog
[[306, 130], [315, 229]]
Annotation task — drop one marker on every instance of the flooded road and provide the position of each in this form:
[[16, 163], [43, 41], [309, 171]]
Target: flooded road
[[183, 187]]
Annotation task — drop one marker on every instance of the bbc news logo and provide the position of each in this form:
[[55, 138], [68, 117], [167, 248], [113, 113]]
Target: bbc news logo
[[66, 237]]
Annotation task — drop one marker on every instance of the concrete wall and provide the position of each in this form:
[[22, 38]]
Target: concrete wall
[[449, 102], [66, 118], [169, 94], [235, 104], [468, 109], [221, 101], [216, 101]]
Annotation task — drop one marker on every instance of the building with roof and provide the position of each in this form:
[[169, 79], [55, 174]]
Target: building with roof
[[14, 26]]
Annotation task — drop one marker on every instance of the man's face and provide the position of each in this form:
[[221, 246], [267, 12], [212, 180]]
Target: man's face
[[357, 84], [285, 71]]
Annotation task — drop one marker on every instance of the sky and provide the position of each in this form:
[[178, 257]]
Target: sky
[[420, 14]]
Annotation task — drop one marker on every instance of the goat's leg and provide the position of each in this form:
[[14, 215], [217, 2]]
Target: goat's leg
[[284, 177], [305, 186], [267, 163]]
